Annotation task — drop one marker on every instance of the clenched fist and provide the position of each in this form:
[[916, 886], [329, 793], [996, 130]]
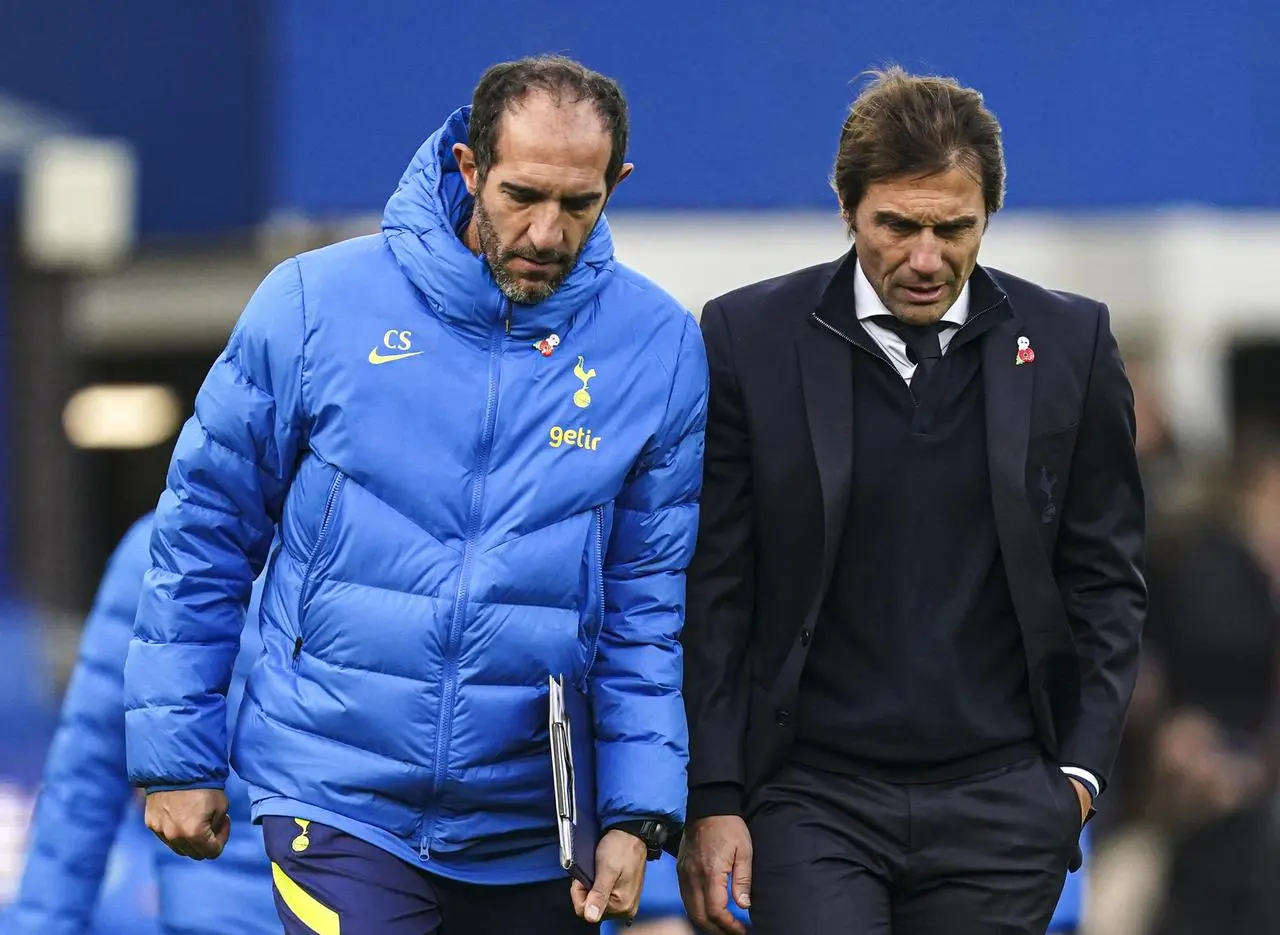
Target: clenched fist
[[620, 863], [192, 822]]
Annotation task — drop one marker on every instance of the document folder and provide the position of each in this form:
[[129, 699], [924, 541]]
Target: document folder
[[573, 772]]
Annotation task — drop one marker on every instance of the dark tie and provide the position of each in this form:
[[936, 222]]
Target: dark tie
[[924, 349]]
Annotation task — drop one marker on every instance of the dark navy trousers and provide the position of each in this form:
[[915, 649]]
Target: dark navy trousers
[[836, 854], [327, 882]]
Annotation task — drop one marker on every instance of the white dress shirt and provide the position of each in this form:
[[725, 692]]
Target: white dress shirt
[[867, 304]]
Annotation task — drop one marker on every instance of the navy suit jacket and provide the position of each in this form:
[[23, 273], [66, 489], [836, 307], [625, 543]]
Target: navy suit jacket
[[1065, 489]]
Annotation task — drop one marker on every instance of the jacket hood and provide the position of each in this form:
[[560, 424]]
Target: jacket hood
[[424, 221]]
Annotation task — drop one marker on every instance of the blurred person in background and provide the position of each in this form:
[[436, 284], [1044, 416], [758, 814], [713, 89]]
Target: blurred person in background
[[1126, 880], [479, 437], [916, 602], [1214, 633], [28, 718], [1160, 456], [1167, 486], [86, 798]]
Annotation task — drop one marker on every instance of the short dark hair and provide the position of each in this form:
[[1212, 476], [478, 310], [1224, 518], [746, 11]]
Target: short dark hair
[[912, 125], [505, 85]]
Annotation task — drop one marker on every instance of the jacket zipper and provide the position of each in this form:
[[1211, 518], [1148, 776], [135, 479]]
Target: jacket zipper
[[840, 334], [334, 487], [598, 524], [448, 696]]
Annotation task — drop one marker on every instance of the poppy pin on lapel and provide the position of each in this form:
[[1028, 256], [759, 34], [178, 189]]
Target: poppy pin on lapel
[[1025, 354]]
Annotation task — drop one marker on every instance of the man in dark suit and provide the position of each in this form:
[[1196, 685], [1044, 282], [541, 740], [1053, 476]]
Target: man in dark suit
[[916, 603]]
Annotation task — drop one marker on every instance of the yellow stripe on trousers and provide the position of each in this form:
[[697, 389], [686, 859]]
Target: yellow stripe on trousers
[[312, 913]]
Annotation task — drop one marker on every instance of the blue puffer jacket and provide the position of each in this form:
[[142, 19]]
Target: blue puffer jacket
[[86, 794], [460, 516]]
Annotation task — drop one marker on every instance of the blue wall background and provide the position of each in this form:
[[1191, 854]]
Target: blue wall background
[[244, 108], [739, 104], [181, 80]]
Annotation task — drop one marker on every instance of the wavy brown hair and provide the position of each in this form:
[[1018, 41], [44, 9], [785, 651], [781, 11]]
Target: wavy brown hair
[[905, 125]]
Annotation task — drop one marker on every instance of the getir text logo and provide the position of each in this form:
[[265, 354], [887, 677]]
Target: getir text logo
[[575, 438]]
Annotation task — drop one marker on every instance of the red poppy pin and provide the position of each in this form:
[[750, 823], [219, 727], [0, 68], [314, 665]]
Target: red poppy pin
[[1025, 354], [546, 347]]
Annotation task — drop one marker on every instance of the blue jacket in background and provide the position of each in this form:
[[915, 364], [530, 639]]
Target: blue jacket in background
[[1069, 913], [459, 517], [86, 795]]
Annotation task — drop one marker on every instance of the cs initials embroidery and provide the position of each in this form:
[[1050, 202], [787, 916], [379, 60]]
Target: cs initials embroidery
[[394, 340]]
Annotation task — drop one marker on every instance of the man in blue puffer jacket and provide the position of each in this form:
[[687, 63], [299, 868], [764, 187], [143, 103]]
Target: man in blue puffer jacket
[[479, 438], [86, 794]]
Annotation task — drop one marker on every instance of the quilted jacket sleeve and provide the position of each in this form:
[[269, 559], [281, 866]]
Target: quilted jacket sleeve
[[227, 481], [642, 747], [85, 793]]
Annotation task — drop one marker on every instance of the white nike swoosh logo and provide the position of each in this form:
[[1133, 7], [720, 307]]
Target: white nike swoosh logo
[[376, 358]]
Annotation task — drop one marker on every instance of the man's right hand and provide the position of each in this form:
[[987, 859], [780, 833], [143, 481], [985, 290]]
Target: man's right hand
[[712, 849], [193, 822]]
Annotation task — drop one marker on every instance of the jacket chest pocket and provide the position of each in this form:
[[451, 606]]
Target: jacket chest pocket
[[315, 560], [594, 599]]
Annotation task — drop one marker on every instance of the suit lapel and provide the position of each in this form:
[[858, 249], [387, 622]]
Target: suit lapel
[[1009, 389], [823, 355], [826, 375], [826, 378]]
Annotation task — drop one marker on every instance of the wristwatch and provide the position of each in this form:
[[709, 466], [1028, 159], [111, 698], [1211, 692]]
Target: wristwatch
[[652, 832]]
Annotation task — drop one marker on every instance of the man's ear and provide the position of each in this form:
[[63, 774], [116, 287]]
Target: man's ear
[[467, 166], [627, 168], [850, 221]]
